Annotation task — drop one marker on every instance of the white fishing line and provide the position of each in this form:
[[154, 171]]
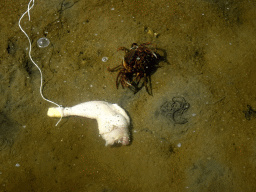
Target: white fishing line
[[29, 53]]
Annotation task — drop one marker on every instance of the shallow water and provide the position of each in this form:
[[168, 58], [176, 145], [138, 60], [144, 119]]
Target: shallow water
[[209, 60]]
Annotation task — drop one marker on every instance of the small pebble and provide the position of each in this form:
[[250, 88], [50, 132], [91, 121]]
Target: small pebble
[[17, 165]]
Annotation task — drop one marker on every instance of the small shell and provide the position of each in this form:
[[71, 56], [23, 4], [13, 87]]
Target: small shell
[[150, 32], [156, 35]]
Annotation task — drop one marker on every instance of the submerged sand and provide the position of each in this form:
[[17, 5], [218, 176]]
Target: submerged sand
[[209, 60]]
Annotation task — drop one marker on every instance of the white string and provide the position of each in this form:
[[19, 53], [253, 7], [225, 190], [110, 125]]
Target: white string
[[29, 53]]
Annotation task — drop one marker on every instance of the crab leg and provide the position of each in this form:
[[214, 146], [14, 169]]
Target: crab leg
[[117, 79], [115, 68]]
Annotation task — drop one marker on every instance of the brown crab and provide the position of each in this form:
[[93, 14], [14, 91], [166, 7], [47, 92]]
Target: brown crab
[[137, 64]]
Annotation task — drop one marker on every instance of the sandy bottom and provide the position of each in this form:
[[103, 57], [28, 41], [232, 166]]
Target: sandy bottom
[[197, 131]]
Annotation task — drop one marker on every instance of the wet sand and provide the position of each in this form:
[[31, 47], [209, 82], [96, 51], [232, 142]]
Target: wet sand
[[208, 51]]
